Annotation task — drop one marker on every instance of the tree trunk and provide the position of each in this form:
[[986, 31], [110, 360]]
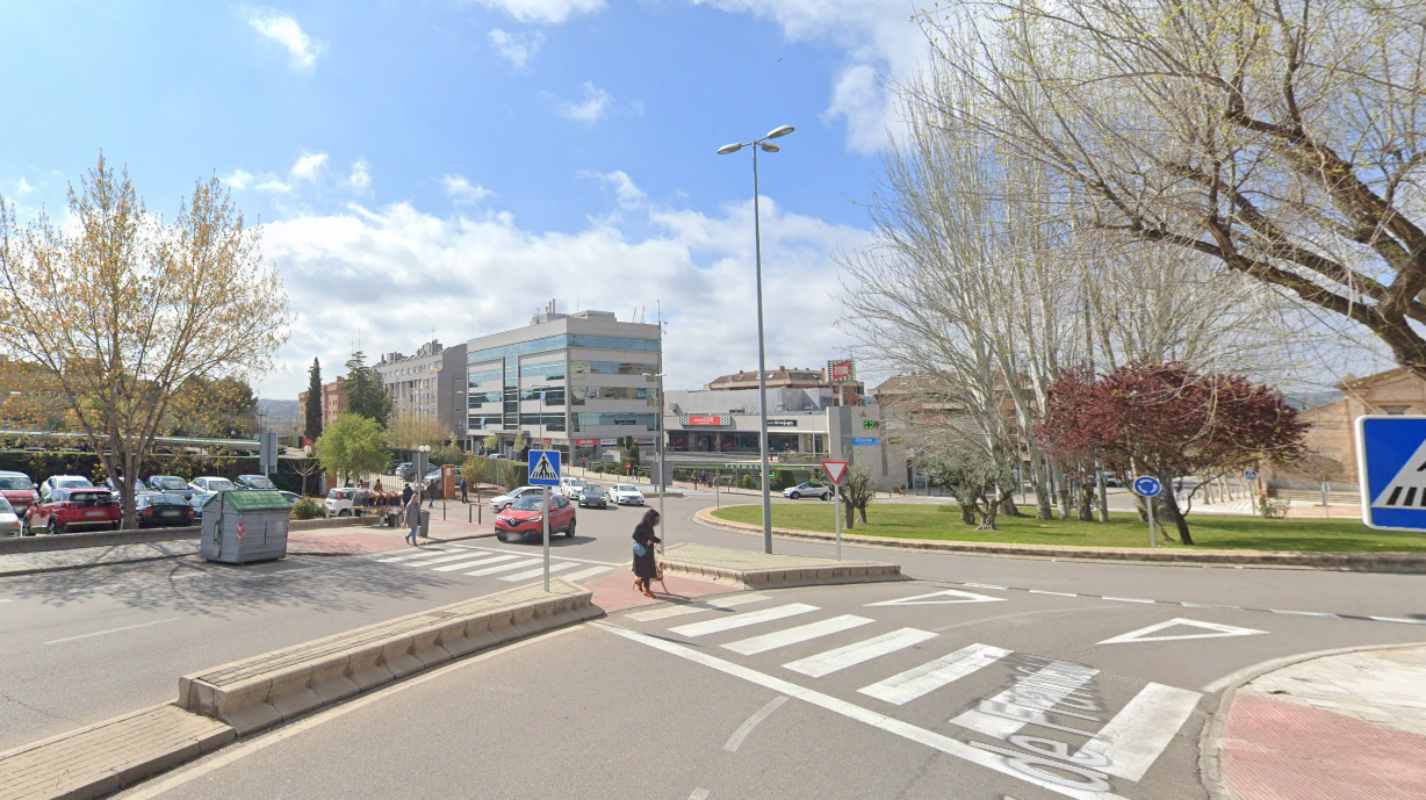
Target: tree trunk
[[861, 509], [1171, 514], [967, 513], [1043, 509], [1065, 492], [851, 517], [1007, 504], [1086, 502], [987, 522]]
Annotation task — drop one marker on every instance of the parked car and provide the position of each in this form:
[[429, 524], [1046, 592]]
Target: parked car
[[571, 487], [170, 484], [163, 509], [19, 490], [290, 497], [9, 521], [68, 508], [205, 487], [626, 494], [406, 471], [55, 482], [593, 496], [256, 482], [345, 501], [808, 489], [524, 518], [500, 502]]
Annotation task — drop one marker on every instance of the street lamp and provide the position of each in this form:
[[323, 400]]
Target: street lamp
[[767, 147]]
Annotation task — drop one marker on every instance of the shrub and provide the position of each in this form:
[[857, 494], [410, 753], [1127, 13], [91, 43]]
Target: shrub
[[306, 508]]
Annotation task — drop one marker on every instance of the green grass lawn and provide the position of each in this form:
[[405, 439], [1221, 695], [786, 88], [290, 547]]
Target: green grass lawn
[[1122, 530]]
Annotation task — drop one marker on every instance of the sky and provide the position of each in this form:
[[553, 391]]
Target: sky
[[444, 168]]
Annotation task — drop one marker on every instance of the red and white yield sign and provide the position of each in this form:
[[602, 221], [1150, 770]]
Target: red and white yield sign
[[836, 471]]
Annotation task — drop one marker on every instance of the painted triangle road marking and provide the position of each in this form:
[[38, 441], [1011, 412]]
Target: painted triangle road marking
[[1209, 630], [942, 598]]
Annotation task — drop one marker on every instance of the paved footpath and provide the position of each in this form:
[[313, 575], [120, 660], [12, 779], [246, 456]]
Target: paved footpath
[[1347, 725]]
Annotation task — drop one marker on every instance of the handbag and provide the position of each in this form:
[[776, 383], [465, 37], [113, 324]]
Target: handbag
[[639, 550]]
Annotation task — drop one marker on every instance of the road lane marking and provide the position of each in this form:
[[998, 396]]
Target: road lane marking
[[1128, 599], [943, 597], [983, 585], [694, 629], [698, 794], [904, 687], [485, 559], [1135, 737], [936, 741], [554, 554], [794, 635], [112, 630], [842, 657], [698, 606], [736, 740], [424, 552], [587, 572], [560, 566], [1302, 613], [504, 567], [1054, 594], [441, 559], [1215, 630], [1006, 713]]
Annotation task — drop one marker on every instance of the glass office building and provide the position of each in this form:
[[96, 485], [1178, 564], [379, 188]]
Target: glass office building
[[573, 382]]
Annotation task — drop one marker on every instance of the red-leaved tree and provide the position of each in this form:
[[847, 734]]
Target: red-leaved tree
[[1167, 421]]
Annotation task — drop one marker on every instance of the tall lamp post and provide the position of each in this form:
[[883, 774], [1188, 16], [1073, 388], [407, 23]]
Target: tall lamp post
[[767, 147]]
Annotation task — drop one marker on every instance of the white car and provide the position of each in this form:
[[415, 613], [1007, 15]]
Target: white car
[[572, 487], [9, 520], [501, 502], [808, 489], [207, 486], [625, 494], [345, 501]]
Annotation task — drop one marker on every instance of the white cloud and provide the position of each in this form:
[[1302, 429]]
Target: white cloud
[[461, 190], [591, 109], [884, 45], [307, 165], [472, 275], [23, 187], [284, 29], [360, 178], [238, 179], [273, 185], [544, 11], [517, 48], [626, 192]]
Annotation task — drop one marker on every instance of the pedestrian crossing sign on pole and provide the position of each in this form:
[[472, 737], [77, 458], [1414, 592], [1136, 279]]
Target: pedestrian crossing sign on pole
[[544, 467], [1391, 465]]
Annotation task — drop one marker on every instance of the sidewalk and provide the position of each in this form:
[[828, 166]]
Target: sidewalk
[[1349, 725]]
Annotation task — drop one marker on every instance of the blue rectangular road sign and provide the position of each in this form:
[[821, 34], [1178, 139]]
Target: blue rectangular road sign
[[1391, 463], [544, 467], [865, 441]]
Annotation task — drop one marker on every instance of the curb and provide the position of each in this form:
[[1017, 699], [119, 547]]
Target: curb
[[1410, 564], [1210, 740]]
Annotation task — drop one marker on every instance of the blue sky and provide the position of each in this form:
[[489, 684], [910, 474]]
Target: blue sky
[[443, 168]]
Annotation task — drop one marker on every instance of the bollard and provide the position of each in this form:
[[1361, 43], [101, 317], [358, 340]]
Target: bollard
[[468, 514]]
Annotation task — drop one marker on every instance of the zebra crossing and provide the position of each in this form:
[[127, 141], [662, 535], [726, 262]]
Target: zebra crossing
[[1059, 697], [478, 562]]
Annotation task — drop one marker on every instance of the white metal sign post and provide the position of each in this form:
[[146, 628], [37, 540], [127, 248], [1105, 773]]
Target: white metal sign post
[[1148, 487], [543, 470], [836, 473]]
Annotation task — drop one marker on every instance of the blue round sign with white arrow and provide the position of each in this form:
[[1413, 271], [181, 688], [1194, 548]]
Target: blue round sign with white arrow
[[1147, 486]]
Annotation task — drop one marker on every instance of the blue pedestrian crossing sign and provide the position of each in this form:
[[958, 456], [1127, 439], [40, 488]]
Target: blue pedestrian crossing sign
[[1391, 465], [544, 467]]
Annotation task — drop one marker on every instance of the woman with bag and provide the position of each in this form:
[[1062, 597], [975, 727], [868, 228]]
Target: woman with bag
[[646, 567]]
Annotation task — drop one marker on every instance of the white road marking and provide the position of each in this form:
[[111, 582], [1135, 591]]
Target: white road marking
[[904, 687], [1215, 630], [504, 567], [7, 599], [484, 559], [424, 552], [698, 794], [1127, 599], [559, 566], [1302, 613], [984, 585], [512, 549], [1402, 620], [697, 606], [742, 620], [945, 744], [587, 572], [842, 657], [1135, 737], [736, 740], [1055, 594], [946, 597], [112, 630], [1006, 713], [800, 633], [443, 559]]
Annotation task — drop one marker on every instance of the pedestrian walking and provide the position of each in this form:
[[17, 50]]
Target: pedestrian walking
[[413, 517], [406, 495], [646, 567], [464, 490]]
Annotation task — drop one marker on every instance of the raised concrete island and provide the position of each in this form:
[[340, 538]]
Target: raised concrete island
[[752, 570]]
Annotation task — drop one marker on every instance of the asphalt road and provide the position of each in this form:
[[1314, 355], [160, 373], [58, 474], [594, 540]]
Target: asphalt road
[[636, 707]]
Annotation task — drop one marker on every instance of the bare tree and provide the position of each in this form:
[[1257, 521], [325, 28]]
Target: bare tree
[[120, 309], [1282, 138]]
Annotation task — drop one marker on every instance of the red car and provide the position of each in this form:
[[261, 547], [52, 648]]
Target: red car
[[79, 507], [522, 518], [19, 490]]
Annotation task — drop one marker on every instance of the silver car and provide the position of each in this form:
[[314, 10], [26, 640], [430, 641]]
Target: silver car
[[9, 520]]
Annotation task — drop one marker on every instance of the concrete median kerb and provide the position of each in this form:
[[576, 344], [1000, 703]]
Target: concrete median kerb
[[255, 693], [747, 570], [1409, 563]]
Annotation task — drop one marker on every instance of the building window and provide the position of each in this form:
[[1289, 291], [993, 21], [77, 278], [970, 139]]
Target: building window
[[614, 343], [586, 420]]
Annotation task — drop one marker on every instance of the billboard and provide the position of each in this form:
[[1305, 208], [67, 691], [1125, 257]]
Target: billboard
[[707, 421], [841, 371]]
